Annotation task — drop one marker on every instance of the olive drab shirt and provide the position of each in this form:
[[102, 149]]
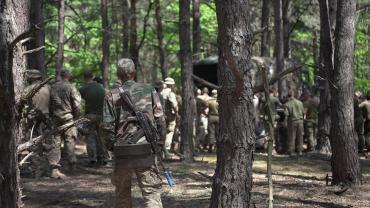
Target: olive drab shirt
[[213, 106], [365, 106], [65, 101], [146, 100], [294, 110], [93, 93]]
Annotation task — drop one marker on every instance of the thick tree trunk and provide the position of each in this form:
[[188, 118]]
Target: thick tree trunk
[[345, 162], [134, 52], [161, 46], [105, 42], [14, 21], [60, 49], [287, 10], [36, 60], [126, 29], [279, 46], [232, 182], [187, 117], [326, 67], [196, 27], [265, 25]]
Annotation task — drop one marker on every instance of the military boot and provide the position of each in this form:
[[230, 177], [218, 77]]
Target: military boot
[[55, 173]]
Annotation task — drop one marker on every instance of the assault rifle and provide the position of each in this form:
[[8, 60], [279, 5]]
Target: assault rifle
[[150, 132]]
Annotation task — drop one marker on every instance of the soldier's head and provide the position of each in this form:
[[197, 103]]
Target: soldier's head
[[65, 74], [33, 75], [290, 94], [205, 91], [214, 93], [159, 85], [126, 69], [169, 82], [88, 76], [358, 95]]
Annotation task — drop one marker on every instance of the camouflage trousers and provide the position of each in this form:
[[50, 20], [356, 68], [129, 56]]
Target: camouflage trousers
[[295, 136], [95, 147], [171, 125], [310, 133], [213, 122], [202, 130], [69, 138], [150, 184]]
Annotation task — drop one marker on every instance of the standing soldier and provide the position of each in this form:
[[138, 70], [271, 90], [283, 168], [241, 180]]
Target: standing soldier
[[65, 108], [93, 93], [171, 111], [311, 106], [202, 120], [130, 135], [213, 121], [365, 106], [359, 122], [294, 112]]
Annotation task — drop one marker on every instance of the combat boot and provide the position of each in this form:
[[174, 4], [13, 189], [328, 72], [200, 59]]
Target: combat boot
[[55, 173]]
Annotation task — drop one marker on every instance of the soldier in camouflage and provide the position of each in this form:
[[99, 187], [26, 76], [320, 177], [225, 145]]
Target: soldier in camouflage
[[365, 107], [311, 106], [213, 121], [65, 104], [294, 112], [359, 121], [146, 100]]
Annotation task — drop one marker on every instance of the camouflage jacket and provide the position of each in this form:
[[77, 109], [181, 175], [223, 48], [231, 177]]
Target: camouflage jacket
[[41, 100], [146, 100], [294, 110], [65, 101], [171, 104]]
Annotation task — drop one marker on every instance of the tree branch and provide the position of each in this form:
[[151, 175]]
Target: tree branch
[[33, 50], [205, 82], [146, 18]]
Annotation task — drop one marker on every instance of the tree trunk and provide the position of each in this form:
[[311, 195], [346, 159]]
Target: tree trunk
[[345, 162], [161, 46], [187, 116], [196, 27], [36, 60], [279, 46], [126, 28], [232, 182], [60, 49], [326, 67], [265, 26], [287, 10], [105, 43], [134, 52], [14, 21]]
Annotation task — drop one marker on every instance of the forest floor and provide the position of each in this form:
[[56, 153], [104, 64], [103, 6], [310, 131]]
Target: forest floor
[[298, 182]]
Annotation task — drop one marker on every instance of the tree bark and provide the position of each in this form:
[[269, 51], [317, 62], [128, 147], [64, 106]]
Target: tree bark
[[265, 25], [196, 27], [232, 182], [126, 28], [345, 162], [287, 10], [326, 67], [105, 42], [279, 46], [60, 49], [161, 46], [36, 60], [14, 19], [134, 52], [187, 116]]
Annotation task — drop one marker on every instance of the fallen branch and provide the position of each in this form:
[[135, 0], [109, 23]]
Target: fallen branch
[[275, 78], [48, 134], [205, 82], [206, 176], [25, 158], [33, 50]]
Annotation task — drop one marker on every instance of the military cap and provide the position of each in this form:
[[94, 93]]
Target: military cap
[[33, 74], [125, 66], [214, 92], [358, 93], [169, 81]]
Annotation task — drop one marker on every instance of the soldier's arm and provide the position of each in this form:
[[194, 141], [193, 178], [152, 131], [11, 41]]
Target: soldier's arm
[[173, 100], [75, 102], [159, 115]]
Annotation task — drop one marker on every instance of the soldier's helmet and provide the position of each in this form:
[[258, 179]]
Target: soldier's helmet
[[33, 74], [169, 81]]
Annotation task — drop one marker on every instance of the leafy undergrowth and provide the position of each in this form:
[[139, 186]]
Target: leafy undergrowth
[[298, 182]]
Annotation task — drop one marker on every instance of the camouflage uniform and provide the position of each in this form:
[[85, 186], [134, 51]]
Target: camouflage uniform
[[171, 110], [64, 108], [365, 107], [294, 112], [310, 123], [359, 125], [93, 93], [213, 122], [146, 99], [202, 121]]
